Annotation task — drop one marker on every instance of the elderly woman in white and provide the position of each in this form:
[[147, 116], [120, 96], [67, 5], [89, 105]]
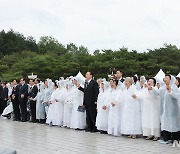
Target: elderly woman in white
[[131, 111]]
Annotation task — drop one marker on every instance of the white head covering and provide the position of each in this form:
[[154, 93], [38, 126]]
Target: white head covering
[[61, 83], [106, 85], [41, 86], [173, 81], [50, 83], [69, 83], [79, 80]]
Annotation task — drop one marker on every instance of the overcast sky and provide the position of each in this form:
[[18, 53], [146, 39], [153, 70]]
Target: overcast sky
[[96, 24]]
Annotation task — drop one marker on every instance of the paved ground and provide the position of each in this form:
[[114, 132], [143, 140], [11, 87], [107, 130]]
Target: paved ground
[[30, 138]]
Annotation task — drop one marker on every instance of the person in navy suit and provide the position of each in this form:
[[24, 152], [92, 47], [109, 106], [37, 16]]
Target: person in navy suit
[[33, 90], [23, 98]]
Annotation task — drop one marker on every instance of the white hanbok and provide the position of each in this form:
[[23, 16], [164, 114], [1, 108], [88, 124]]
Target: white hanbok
[[78, 119], [131, 113], [55, 111], [68, 108], [114, 117], [150, 112], [102, 115]]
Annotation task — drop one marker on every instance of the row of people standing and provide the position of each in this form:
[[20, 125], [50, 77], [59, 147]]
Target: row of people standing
[[149, 111], [121, 107]]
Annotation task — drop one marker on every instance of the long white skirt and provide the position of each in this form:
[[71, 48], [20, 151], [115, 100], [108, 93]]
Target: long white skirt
[[78, 119], [114, 120], [131, 118], [51, 114], [67, 115], [55, 114], [151, 119], [102, 119]]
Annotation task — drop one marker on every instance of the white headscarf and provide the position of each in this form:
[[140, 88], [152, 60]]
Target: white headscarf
[[50, 83]]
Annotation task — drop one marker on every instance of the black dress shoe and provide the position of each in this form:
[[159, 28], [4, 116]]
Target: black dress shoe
[[94, 131], [88, 130], [79, 129], [23, 120], [103, 132]]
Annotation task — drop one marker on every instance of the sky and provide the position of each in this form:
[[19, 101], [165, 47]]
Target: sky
[[96, 24]]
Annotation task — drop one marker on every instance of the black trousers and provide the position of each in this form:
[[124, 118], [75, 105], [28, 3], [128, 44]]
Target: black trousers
[[33, 110], [3, 105], [23, 107], [170, 135], [16, 109], [91, 114]]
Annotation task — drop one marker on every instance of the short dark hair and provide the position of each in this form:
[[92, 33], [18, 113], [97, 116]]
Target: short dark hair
[[23, 79], [37, 79], [154, 80], [91, 73], [31, 80], [15, 80], [120, 71], [168, 76], [4, 83]]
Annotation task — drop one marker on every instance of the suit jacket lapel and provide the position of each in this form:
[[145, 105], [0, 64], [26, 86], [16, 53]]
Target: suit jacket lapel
[[88, 85]]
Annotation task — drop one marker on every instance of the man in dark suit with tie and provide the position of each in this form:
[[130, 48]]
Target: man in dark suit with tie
[[119, 76], [15, 101], [4, 96], [91, 91], [23, 97], [33, 90]]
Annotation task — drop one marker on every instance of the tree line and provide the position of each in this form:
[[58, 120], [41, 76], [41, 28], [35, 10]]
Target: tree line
[[20, 55]]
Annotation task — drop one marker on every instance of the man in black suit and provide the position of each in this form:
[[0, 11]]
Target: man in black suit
[[33, 90], [119, 76], [23, 97], [91, 91], [15, 101], [4, 97]]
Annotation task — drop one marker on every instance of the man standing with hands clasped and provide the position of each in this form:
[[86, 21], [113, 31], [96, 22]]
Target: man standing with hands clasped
[[91, 92], [33, 90]]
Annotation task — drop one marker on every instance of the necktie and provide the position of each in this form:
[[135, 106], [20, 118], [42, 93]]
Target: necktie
[[86, 84]]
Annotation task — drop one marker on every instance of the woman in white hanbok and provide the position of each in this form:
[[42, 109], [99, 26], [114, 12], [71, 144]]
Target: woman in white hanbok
[[56, 107], [68, 104], [150, 110], [114, 105], [131, 111], [78, 119], [102, 110]]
